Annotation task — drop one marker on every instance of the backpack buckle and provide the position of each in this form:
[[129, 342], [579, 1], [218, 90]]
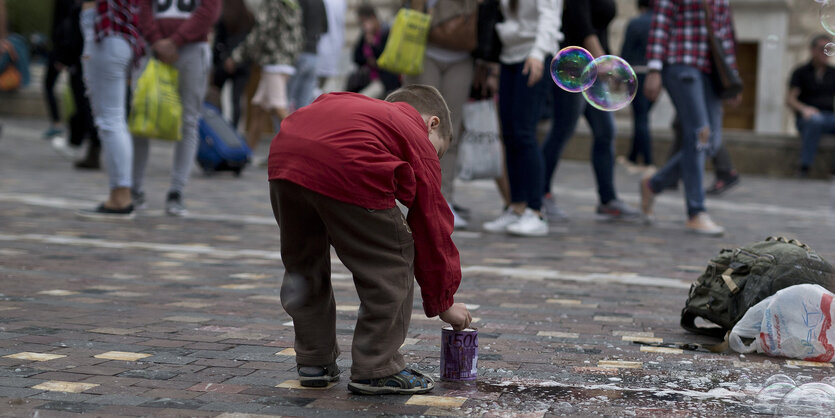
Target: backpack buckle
[[726, 276]]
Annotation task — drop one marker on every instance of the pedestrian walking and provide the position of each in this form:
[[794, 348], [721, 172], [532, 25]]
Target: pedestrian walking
[[335, 184], [530, 31], [679, 56], [634, 51], [331, 44], [301, 85], [111, 46], [234, 25]]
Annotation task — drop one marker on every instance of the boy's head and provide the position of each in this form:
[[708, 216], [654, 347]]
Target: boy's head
[[368, 18], [427, 100]]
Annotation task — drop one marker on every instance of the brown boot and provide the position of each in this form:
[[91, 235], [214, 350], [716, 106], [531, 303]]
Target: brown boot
[[91, 160]]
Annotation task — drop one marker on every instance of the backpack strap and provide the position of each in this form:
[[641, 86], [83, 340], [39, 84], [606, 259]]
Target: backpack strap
[[726, 276], [688, 322], [790, 241]]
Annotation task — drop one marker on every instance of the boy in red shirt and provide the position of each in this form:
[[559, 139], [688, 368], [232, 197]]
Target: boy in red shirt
[[335, 169]]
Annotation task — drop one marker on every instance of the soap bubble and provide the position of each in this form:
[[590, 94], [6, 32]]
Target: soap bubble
[[771, 395], [772, 41], [616, 83], [778, 378], [829, 49], [806, 401], [569, 69], [827, 15]]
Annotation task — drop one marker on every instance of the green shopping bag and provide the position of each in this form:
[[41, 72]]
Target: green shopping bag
[[156, 110], [406, 44]]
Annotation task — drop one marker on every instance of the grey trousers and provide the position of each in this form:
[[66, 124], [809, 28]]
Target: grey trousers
[[376, 246], [193, 66], [453, 80]]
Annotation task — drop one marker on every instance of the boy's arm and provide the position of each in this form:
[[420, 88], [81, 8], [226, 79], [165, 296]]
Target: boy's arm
[[148, 26], [437, 263]]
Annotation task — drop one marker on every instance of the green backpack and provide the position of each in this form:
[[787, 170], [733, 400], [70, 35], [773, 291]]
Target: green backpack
[[738, 279]]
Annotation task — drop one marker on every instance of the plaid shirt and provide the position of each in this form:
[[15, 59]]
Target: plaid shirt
[[120, 18], [679, 34]]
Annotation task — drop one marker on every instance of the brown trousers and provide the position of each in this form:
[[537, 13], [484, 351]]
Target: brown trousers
[[376, 246]]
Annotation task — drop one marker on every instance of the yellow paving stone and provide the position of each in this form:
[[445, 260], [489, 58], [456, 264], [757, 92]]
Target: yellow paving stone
[[266, 297], [294, 384], [661, 350], [639, 339], [347, 308], [241, 286], [61, 386], [436, 401], [114, 331], [802, 363], [557, 334], [475, 319], [107, 288], [230, 238], [497, 260], [181, 256], [519, 305], [622, 333], [755, 365], [410, 341], [249, 276], [617, 364], [125, 294], [26, 355], [492, 291], [122, 356], [565, 301], [286, 352], [194, 305], [444, 412], [597, 370], [8, 308], [186, 319], [603, 318], [122, 276], [166, 264], [57, 292], [177, 277], [578, 253]]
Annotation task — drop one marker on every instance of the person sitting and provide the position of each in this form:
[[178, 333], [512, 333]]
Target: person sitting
[[369, 79]]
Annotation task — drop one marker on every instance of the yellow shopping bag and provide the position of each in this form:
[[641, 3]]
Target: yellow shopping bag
[[156, 111], [406, 44]]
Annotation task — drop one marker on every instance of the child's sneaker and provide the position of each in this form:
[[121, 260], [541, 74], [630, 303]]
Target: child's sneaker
[[529, 225], [318, 376], [174, 204], [407, 382], [500, 224]]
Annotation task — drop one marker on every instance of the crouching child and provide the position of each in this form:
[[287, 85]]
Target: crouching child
[[336, 169]]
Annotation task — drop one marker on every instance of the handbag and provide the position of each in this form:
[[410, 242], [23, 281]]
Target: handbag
[[10, 77], [480, 150], [726, 78], [406, 44], [156, 111], [455, 25]]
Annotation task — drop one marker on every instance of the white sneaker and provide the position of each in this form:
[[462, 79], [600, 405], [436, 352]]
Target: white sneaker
[[500, 224], [63, 147], [529, 225], [458, 221]]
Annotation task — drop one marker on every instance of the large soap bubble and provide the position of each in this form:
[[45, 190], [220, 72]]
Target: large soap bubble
[[616, 84], [570, 69]]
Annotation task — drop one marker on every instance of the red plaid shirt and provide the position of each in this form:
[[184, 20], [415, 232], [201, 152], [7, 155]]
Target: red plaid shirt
[[679, 34], [120, 18]]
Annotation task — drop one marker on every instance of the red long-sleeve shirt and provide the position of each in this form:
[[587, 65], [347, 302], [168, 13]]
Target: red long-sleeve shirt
[[369, 152], [182, 21]]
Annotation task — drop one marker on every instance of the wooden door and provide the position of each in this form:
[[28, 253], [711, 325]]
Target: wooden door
[[743, 117]]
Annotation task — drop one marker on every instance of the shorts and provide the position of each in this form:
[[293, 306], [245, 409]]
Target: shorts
[[271, 93]]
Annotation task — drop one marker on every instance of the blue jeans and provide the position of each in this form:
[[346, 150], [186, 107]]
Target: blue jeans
[[811, 131], [519, 110], [567, 110], [106, 65], [699, 109], [301, 85], [641, 140]]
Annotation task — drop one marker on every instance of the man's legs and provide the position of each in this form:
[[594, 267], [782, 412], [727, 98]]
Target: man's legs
[[603, 152], [193, 65], [811, 131]]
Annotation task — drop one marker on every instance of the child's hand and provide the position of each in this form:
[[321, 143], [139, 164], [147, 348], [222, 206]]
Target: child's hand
[[458, 316]]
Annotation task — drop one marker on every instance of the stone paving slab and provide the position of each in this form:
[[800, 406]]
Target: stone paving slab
[[167, 316]]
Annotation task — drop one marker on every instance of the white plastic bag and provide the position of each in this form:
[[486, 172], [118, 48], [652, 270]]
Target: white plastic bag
[[480, 151], [795, 322]]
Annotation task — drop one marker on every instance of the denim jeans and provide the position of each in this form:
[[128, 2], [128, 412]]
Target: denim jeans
[[698, 107], [193, 65], [303, 82], [567, 110], [811, 131], [106, 64], [519, 110], [641, 140]]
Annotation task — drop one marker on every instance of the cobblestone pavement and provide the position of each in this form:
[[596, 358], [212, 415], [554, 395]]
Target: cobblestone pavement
[[166, 316]]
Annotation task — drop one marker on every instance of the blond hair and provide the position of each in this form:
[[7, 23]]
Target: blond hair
[[427, 100]]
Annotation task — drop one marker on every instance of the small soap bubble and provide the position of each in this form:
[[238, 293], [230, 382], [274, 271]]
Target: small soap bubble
[[770, 396], [616, 84], [806, 401], [570, 69], [827, 16], [772, 41], [829, 49], [778, 378]]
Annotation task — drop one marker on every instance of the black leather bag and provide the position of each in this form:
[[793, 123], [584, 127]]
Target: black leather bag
[[726, 78]]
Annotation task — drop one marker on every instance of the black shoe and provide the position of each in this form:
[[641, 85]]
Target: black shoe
[[721, 185], [174, 204], [407, 382], [318, 376], [102, 212], [803, 172]]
